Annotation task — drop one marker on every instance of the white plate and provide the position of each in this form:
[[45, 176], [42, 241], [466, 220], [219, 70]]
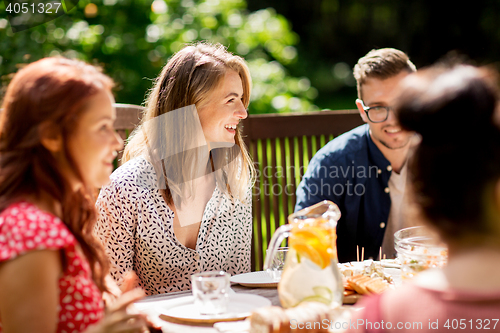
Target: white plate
[[254, 280], [395, 273], [183, 310], [390, 263]]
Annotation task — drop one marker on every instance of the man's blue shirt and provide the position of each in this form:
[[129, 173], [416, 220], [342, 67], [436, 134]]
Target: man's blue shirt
[[352, 172]]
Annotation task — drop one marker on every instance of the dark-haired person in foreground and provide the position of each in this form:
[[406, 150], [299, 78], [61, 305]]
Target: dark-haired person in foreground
[[364, 170], [455, 178]]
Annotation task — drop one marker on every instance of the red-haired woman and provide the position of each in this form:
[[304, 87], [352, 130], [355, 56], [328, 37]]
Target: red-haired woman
[[57, 143]]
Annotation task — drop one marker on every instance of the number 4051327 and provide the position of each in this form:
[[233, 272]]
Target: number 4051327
[[32, 8], [479, 324]]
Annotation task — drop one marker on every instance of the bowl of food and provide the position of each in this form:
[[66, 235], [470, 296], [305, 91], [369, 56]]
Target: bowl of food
[[419, 248]]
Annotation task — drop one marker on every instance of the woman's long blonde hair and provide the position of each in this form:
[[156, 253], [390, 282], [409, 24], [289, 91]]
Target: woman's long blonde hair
[[184, 85]]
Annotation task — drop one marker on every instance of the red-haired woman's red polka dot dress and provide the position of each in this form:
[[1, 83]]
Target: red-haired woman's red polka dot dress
[[24, 228]]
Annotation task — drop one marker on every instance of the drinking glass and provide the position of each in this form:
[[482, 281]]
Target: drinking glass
[[277, 263], [211, 292]]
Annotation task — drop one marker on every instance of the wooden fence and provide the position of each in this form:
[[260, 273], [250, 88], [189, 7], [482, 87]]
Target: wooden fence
[[281, 146]]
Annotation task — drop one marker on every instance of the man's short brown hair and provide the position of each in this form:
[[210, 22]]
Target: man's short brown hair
[[381, 64]]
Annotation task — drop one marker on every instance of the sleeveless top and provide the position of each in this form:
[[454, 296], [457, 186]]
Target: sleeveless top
[[24, 228]]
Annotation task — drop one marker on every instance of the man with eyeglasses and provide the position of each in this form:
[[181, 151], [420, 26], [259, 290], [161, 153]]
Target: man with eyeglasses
[[364, 170]]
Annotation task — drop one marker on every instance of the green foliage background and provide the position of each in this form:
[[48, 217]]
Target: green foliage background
[[133, 39]]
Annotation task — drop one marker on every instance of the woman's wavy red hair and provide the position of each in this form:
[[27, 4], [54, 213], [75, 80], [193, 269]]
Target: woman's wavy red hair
[[51, 91]]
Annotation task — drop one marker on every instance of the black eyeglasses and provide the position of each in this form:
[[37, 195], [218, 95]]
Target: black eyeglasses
[[376, 114]]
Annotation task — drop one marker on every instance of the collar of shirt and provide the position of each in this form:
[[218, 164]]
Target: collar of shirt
[[377, 158]]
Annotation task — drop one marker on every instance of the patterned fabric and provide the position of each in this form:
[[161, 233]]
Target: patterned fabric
[[24, 228], [136, 228]]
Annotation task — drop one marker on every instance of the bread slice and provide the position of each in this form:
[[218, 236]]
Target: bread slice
[[366, 285], [349, 292], [322, 312], [377, 286], [271, 319], [307, 317], [358, 283]]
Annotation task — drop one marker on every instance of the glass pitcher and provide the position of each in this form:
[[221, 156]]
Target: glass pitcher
[[311, 272]]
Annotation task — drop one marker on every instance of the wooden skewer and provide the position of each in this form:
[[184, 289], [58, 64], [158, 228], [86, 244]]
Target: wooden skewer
[[362, 253], [380, 253], [357, 253], [384, 256]]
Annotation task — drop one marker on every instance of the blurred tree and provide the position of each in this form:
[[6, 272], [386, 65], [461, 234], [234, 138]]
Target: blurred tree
[[334, 34], [132, 40]]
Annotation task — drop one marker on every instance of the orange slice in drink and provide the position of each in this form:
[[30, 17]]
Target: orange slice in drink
[[313, 243]]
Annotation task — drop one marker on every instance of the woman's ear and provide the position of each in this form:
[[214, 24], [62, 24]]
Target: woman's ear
[[51, 137]]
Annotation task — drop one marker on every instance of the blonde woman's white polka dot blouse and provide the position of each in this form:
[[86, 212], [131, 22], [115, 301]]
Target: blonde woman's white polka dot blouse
[[136, 228]]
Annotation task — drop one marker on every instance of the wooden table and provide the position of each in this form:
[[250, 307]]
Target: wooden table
[[169, 327], [269, 293]]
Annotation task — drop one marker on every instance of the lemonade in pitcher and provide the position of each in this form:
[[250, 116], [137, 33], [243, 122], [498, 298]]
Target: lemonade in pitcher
[[310, 272]]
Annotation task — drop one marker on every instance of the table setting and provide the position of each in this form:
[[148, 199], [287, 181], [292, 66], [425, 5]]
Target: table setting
[[302, 283]]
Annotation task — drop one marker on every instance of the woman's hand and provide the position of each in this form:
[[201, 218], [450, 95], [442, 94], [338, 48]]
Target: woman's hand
[[117, 320], [130, 283]]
